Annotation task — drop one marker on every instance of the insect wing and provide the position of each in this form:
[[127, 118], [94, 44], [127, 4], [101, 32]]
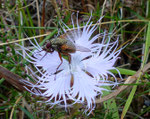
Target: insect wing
[[82, 48]]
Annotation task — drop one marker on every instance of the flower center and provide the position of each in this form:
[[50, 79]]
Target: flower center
[[75, 68], [76, 65]]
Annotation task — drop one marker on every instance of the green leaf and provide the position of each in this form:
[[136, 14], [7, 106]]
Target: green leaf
[[27, 112], [146, 53], [111, 106], [124, 71]]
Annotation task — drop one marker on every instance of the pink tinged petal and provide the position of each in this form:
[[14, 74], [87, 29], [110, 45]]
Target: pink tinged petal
[[85, 88], [49, 62], [82, 38], [57, 89]]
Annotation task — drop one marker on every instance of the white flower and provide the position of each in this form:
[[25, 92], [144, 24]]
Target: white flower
[[92, 73], [83, 78], [82, 37]]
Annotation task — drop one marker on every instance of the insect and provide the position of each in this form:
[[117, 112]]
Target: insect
[[64, 47]]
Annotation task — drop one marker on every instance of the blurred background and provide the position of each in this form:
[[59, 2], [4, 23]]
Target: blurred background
[[127, 19]]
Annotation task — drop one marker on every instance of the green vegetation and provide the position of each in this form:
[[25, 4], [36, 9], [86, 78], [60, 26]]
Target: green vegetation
[[21, 20]]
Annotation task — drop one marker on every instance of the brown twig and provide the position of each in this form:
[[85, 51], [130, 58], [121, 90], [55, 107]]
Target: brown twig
[[84, 7], [56, 8], [15, 80], [13, 109], [43, 19], [103, 23], [130, 80], [12, 78]]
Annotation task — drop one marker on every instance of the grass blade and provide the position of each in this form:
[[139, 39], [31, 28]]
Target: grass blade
[[146, 54]]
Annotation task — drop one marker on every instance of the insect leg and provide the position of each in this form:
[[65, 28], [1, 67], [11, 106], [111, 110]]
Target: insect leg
[[43, 56], [69, 58], [47, 51], [60, 59], [60, 56]]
